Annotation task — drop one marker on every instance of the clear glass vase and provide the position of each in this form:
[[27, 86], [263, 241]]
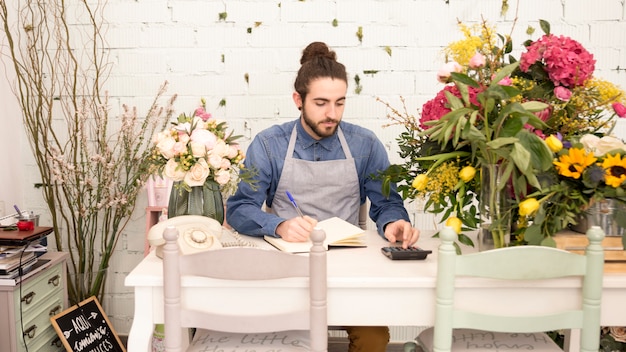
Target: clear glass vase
[[203, 200], [495, 209]]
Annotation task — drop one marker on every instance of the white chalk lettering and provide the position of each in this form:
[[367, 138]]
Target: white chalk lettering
[[103, 346], [91, 337], [80, 324]]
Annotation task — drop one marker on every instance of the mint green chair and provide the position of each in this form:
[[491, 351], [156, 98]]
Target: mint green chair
[[464, 330]]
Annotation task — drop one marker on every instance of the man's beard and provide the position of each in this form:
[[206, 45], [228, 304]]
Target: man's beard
[[320, 131]]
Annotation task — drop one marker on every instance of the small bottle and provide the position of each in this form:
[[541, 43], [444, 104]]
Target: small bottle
[[163, 214]]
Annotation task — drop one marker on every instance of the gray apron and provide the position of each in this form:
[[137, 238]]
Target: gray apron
[[322, 189]]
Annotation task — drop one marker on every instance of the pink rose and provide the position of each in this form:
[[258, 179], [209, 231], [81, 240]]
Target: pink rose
[[562, 93], [477, 61], [201, 113], [506, 81], [444, 73], [619, 108]]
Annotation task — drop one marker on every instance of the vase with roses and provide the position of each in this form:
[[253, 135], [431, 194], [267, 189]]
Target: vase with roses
[[200, 154], [496, 117]]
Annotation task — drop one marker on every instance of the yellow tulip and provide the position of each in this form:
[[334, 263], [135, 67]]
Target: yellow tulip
[[467, 173], [455, 223], [554, 143], [420, 182], [528, 207]]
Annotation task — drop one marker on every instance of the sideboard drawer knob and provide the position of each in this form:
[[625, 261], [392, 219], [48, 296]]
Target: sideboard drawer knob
[[30, 332], [29, 297], [55, 280]]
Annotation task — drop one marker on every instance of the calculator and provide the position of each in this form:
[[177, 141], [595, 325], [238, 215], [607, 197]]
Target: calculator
[[411, 253]]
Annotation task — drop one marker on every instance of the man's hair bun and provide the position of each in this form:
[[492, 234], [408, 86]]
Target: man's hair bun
[[316, 49]]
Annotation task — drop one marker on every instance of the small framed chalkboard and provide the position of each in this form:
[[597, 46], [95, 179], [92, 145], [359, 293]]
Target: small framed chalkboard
[[85, 327]]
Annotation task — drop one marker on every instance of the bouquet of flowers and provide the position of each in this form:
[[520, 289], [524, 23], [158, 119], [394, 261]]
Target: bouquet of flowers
[[485, 143], [197, 148]]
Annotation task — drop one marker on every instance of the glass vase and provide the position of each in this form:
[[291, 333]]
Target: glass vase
[[495, 209], [203, 200]]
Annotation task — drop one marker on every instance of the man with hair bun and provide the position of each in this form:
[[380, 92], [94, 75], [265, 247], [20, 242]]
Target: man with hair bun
[[327, 164]]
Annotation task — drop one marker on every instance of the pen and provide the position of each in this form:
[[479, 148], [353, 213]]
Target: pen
[[19, 213], [295, 205]]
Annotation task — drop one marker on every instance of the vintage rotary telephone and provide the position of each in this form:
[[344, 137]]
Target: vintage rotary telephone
[[195, 234]]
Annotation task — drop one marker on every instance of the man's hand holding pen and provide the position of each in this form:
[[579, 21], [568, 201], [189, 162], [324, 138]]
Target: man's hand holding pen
[[297, 229]]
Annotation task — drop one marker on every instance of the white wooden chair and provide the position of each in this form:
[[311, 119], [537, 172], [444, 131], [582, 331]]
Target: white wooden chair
[[231, 329], [463, 330]]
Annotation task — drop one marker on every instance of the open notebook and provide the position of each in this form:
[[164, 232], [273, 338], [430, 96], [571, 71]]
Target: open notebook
[[339, 233]]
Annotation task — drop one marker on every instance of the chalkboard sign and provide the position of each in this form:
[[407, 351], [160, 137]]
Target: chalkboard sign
[[86, 328]]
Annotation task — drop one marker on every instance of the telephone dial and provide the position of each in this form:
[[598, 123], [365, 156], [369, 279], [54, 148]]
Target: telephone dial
[[195, 234]]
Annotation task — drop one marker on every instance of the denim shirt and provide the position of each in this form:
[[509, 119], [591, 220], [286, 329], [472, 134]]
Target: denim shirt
[[266, 155]]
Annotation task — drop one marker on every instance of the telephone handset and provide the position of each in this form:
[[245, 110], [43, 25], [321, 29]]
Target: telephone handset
[[195, 234]]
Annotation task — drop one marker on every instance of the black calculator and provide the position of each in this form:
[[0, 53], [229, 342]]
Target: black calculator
[[411, 253]]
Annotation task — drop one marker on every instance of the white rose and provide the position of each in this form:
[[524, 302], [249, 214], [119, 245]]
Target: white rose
[[179, 148], [198, 150], [609, 144], [601, 146], [215, 160], [222, 177], [618, 333], [173, 171], [225, 164], [166, 147], [183, 137], [205, 137], [197, 174], [221, 148], [233, 151]]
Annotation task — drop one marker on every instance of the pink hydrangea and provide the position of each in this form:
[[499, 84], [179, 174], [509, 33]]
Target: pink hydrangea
[[435, 108], [565, 60]]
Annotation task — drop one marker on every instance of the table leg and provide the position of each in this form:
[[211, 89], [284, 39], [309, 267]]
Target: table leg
[[141, 331]]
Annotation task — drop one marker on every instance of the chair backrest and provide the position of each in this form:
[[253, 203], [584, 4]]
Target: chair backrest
[[519, 263], [244, 263]]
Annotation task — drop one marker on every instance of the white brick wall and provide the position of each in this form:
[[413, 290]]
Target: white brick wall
[[183, 41]]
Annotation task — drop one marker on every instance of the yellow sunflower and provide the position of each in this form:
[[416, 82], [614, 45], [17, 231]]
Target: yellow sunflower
[[615, 170], [574, 162]]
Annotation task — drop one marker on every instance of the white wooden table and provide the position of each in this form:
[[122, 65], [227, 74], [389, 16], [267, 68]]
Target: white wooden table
[[364, 288]]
